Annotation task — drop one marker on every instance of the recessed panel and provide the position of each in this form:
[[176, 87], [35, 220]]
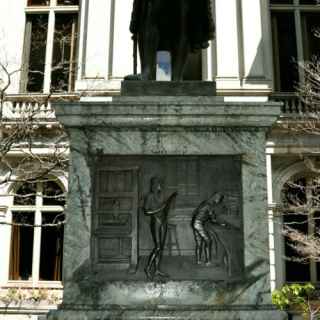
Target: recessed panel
[[183, 214]]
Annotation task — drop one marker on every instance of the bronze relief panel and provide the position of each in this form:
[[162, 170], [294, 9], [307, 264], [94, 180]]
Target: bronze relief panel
[[168, 217]]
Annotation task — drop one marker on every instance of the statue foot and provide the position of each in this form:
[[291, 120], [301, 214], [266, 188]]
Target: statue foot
[[134, 77], [199, 262], [148, 274], [208, 263], [161, 274]]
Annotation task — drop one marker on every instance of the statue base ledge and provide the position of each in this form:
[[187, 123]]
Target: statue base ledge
[[128, 314], [168, 88], [184, 100]]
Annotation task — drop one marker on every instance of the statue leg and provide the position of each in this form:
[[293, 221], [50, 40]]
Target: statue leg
[[162, 236], [180, 47], [179, 59], [199, 246], [148, 43], [151, 264], [207, 247]]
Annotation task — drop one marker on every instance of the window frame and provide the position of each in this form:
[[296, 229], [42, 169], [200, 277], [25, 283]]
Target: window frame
[[52, 9], [298, 10], [36, 210], [311, 228]]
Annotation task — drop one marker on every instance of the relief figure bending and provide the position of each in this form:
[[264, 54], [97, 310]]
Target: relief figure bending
[[203, 215]]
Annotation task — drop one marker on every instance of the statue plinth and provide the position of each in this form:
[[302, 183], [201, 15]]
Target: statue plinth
[[168, 88], [198, 145]]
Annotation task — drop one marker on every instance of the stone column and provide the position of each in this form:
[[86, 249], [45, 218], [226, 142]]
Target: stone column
[[122, 47], [96, 45], [227, 42], [257, 62], [105, 64], [243, 46]]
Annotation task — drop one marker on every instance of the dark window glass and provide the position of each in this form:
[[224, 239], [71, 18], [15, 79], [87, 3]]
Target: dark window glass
[[317, 233], [285, 51], [294, 194], [281, 1], [315, 192], [21, 246], [311, 40], [51, 247], [296, 271], [314, 2], [53, 194], [26, 195], [68, 2], [36, 38], [38, 2], [64, 50]]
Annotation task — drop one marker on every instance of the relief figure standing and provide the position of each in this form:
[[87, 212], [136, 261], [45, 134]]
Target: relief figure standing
[[158, 209]]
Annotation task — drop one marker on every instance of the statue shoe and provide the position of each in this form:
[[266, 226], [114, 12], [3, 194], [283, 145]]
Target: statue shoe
[[148, 274], [161, 274], [133, 77]]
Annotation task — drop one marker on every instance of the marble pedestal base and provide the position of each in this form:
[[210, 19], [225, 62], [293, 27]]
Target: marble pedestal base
[[194, 314], [168, 88], [165, 127]]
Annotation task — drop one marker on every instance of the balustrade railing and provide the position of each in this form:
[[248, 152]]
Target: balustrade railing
[[36, 109], [35, 106], [39, 106], [293, 106]]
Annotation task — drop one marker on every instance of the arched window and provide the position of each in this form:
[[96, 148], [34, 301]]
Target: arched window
[[301, 212], [37, 232]]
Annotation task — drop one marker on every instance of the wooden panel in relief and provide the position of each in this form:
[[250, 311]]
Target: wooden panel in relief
[[114, 249], [183, 175], [115, 217]]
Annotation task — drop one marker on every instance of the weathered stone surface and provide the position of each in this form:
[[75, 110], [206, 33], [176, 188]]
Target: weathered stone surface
[[162, 128], [168, 88], [183, 314], [204, 114]]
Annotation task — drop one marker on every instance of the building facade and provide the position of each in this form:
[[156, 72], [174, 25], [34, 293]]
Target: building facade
[[81, 49]]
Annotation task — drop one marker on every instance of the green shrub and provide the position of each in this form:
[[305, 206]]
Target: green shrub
[[295, 297]]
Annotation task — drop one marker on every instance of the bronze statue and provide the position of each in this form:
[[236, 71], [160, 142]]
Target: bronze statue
[[177, 26], [201, 216], [158, 209]]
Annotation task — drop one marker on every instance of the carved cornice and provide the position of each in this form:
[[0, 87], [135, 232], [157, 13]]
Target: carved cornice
[[188, 114]]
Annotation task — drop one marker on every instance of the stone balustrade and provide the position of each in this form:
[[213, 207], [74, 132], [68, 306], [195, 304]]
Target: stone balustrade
[[35, 106], [39, 106], [39, 109], [292, 105]]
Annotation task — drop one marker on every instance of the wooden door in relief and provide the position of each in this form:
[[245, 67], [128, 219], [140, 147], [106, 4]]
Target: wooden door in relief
[[115, 220]]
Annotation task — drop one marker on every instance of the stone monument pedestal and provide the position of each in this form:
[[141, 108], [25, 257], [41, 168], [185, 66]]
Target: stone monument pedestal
[[168, 88], [198, 146]]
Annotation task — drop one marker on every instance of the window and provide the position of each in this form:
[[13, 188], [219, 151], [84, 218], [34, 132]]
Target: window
[[302, 213], [49, 61], [294, 26], [47, 2], [37, 232]]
